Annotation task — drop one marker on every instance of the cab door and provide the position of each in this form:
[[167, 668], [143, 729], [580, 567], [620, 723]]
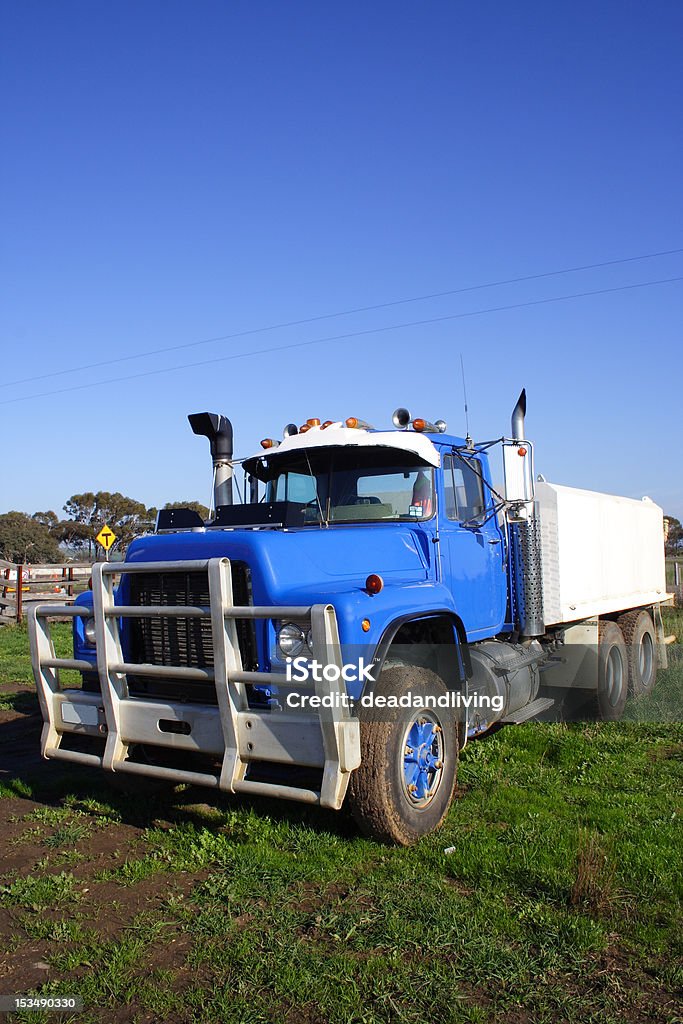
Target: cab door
[[472, 551]]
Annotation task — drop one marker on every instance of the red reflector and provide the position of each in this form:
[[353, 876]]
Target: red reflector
[[374, 583], [521, 451]]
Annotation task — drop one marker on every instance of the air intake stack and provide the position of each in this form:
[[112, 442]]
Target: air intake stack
[[218, 429]]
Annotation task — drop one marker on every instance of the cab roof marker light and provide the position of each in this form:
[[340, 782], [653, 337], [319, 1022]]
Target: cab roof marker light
[[425, 427], [355, 424], [269, 442], [313, 422], [326, 424]]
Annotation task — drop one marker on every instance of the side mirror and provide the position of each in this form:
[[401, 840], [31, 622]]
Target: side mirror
[[518, 466]]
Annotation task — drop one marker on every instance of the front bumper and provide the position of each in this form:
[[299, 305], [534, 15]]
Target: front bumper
[[238, 736]]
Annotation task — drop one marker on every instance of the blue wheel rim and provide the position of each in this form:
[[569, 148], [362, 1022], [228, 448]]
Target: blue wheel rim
[[422, 756]]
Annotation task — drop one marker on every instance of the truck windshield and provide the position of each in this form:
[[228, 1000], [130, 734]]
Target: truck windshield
[[351, 485]]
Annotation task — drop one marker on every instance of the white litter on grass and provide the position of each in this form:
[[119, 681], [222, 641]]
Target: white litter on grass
[[449, 849]]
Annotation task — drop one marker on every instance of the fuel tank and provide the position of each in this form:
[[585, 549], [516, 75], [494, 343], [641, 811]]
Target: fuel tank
[[506, 674]]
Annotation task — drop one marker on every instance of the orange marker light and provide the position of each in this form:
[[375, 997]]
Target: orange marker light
[[521, 451], [374, 583], [365, 625], [268, 442], [357, 424], [304, 428], [326, 424], [419, 424], [313, 422]]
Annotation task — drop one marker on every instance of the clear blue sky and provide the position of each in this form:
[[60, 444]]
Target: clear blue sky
[[178, 171]]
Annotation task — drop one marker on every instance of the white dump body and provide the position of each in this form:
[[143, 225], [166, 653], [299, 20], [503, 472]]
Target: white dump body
[[600, 553]]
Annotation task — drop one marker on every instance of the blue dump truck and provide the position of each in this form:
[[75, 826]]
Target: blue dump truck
[[376, 603]]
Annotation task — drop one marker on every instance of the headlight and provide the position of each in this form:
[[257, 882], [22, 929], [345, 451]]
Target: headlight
[[89, 630], [291, 640]]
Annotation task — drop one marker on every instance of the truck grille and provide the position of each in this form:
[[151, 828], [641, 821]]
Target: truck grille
[[184, 642]]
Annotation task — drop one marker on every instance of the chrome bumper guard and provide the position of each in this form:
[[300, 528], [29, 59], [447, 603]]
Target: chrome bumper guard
[[327, 738]]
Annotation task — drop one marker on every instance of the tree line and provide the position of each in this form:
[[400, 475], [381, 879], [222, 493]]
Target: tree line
[[45, 537], [674, 535]]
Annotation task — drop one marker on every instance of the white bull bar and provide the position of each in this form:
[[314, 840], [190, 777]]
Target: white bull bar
[[328, 738]]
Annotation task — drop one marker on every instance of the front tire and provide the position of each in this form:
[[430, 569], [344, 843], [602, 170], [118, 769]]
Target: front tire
[[404, 785]]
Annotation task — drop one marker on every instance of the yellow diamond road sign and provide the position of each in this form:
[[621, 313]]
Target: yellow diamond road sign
[[106, 537]]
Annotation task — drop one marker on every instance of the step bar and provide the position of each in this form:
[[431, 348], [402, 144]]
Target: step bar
[[233, 732], [536, 707]]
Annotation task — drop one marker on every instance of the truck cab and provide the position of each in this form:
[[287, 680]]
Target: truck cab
[[380, 491]]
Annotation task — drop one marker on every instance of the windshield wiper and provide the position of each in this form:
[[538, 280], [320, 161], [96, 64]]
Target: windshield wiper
[[321, 517]]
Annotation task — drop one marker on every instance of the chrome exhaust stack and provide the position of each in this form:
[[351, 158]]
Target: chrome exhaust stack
[[525, 529], [518, 414]]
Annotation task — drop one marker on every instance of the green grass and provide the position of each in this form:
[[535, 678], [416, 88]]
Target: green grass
[[15, 666], [38, 893], [68, 835], [559, 898], [673, 622]]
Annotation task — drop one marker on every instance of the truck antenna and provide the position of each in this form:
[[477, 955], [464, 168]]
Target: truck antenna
[[468, 439]]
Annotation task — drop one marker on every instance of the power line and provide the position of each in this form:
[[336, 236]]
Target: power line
[[332, 316], [343, 337]]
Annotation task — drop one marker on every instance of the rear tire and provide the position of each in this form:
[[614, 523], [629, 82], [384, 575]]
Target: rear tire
[[641, 648], [609, 702], [404, 785]]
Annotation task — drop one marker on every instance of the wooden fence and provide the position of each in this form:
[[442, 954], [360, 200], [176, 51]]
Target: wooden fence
[[21, 584]]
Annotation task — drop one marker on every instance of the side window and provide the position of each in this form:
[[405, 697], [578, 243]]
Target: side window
[[464, 490], [294, 487], [449, 490], [300, 487]]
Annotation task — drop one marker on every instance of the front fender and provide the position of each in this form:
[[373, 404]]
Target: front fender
[[386, 613], [83, 651]]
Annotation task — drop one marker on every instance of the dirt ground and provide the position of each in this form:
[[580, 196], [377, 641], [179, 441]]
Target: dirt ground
[[107, 908]]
